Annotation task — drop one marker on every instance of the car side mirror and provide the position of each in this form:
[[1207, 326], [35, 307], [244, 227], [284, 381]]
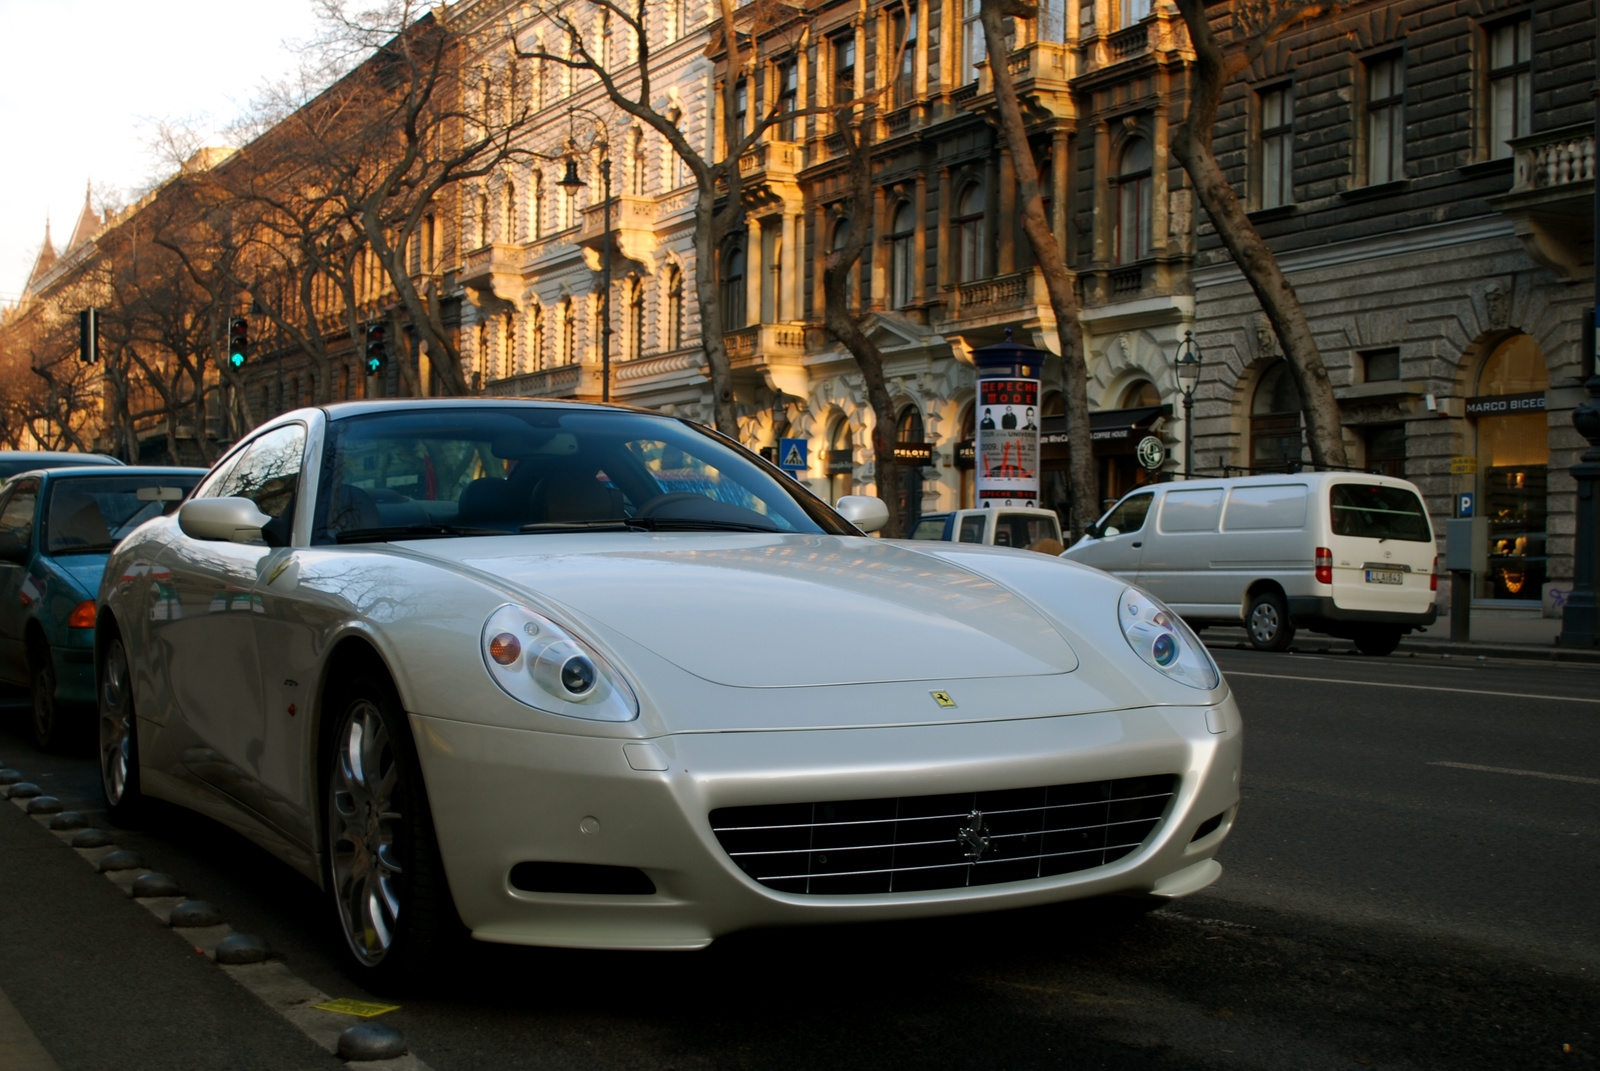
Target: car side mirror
[[13, 549], [866, 512], [1092, 531], [226, 520]]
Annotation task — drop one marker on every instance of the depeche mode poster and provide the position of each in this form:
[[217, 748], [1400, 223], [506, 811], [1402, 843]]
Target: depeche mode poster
[[1008, 442]]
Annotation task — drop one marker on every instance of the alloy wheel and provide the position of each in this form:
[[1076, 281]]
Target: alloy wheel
[[363, 824], [116, 724]]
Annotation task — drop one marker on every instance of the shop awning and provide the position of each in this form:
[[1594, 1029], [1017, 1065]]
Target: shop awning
[[1113, 431]]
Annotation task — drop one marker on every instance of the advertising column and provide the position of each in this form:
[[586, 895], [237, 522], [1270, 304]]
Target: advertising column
[[1007, 437]]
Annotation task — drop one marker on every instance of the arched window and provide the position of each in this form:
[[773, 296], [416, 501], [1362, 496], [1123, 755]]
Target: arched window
[[841, 461], [971, 234], [508, 212], [569, 332], [902, 257], [908, 429], [1133, 202], [1275, 421], [1513, 468], [636, 320], [673, 313], [535, 335], [1140, 394], [733, 286]]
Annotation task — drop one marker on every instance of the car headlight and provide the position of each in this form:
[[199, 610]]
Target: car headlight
[[1160, 637], [537, 662]]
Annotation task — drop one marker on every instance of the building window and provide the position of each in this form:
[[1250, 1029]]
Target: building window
[[508, 220], [430, 240], [970, 228], [1379, 366], [636, 164], [1133, 202], [508, 346], [1275, 422], [1386, 119], [902, 257], [569, 332], [674, 311], [788, 99], [741, 111], [733, 286], [636, 321], [905, 30], [1277, 146], [1513, 472], [1510, 84], [485, 235], [535, 335], [1134, 10], [909, 429], [841, 461], [538, 205], [1386, 449], [844, 69], [973, 49]]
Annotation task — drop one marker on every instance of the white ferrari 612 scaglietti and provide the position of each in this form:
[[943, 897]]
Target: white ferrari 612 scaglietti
[[591, 676]]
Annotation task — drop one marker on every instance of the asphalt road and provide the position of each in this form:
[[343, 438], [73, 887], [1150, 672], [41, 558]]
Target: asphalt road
[[1411, 883]]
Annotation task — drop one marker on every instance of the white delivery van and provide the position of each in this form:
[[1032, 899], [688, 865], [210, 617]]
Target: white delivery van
[[1010, 526], [1347, 554]]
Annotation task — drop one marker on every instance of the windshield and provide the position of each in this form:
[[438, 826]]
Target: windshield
[[91, 514], [489, 470], [1378, 511]]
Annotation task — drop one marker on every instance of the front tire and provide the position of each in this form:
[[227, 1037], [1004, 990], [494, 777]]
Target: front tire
[[47, 728], [385, 876], [119, 737], [1267, 622]]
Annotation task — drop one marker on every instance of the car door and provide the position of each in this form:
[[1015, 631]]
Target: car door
[[16, 518], [210, 646], [1120, 546], [1179, 547]]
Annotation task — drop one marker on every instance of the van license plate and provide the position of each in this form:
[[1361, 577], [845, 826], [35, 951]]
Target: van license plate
[[1385, 576]]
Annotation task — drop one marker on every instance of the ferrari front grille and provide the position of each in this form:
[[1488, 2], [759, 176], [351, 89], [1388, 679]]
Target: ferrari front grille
[[951, 841]]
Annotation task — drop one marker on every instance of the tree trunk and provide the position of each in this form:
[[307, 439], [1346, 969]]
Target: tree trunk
[[1058, 279], [1191, 144], [724, 415]]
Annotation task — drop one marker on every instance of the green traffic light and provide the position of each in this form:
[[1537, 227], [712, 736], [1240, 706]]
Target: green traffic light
[[236, 359]]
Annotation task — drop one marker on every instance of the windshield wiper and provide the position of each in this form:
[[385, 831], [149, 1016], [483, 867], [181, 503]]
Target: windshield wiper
[[412, 531], [579, 526], [696, 524]]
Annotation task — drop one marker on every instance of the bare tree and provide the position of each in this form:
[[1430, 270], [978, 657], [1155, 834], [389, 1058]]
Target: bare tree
[[1059, 281], [719, 207], [1254, 24]]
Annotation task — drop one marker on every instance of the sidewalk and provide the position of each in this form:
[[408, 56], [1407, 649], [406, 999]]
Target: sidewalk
[[1533, 639]]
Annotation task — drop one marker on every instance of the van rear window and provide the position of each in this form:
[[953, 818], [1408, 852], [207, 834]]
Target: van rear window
[[1378, 511]]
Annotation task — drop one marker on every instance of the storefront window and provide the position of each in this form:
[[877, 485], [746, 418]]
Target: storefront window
[[909, 429], [1513, 465], [1275, 422], [841, 462]]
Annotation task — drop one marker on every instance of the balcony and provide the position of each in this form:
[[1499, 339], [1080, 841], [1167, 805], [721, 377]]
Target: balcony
[[1161, 36], [495, 270], [559, 382], [1551, 200], [760, 342], [1126, 44], [767, 175], [1042, 71], [633, 229], [1004, 297]]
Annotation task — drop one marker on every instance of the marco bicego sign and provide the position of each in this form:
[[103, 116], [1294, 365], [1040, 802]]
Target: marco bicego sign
[[1505, 404]]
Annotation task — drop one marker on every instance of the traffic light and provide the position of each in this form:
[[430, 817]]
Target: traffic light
[[377, 347], [238, 342], [89, 336]]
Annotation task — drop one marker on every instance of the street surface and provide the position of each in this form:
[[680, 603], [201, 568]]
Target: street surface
[[1411, 884]]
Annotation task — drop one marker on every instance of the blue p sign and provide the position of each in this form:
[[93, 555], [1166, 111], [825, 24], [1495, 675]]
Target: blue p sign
[[1464, 503]]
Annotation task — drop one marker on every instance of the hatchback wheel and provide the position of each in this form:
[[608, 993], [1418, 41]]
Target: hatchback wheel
[[384, 872], [47, 727], [1267, 622], [119, 737]]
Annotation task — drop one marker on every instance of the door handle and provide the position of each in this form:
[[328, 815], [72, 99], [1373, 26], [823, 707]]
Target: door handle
[[1139, 544]]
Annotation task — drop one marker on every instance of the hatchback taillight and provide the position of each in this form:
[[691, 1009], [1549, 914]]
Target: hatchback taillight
[[1324, 565]]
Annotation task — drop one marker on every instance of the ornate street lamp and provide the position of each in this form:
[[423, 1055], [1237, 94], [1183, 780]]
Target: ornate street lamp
[[572, 183], [1189, 360]]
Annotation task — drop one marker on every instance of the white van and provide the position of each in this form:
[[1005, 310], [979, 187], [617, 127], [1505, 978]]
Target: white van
[[1343, 553]]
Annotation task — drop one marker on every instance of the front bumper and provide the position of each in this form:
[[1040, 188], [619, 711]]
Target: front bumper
[[502, 797]]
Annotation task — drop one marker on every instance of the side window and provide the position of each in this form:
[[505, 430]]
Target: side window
[[16, 517], [1127, 515], [1191, 511], [972, 529], [218, 474], [1279, 506], [268, 473]]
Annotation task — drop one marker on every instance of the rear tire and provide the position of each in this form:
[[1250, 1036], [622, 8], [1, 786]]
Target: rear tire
[[119, 737], [1378, 641], [386, 879], [48, 731], [1267, 622]]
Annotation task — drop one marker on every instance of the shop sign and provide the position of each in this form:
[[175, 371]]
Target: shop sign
[[966, 454], [1505, 404], [914, 453], [1110, 433], [840, 462], [1463, 466], [1150, 452]]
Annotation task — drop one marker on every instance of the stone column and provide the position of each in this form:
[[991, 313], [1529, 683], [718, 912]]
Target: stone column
[[754, 265], [1060, 187], [919, 244], [786, 270], [1104, 206], [819, 259], [1006, 230], [879, 252], [947, 259]]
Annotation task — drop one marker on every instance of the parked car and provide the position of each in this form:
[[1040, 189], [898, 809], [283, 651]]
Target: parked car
[[57, 527], [15, 461], [1013, 526], [1342, 553], [489, 663]]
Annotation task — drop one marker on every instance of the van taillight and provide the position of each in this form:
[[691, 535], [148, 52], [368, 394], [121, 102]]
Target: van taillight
[[1324, 565], [1433, 580]]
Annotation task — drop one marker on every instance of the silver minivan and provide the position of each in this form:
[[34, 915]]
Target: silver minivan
[[1347, 554]]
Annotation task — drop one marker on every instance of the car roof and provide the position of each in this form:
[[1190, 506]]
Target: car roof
[[58, 455], [125, 470], [1270, 479], [345, 410]]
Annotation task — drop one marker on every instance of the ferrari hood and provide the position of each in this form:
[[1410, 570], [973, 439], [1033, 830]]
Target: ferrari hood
[[756, 611]]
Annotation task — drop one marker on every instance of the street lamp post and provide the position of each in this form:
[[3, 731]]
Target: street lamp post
[[1189, 359], [573, 182]]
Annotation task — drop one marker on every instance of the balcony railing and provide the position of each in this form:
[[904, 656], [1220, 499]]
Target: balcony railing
[[766, 341], [773, 158], [1554, 158], [1133, 41], [559, 382], [1000, 295]]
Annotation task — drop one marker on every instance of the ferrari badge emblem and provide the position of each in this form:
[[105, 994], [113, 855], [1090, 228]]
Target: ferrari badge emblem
[[943, 699], [973, 836]]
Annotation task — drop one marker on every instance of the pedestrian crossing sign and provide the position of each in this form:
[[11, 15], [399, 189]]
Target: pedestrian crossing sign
[[791, 454]]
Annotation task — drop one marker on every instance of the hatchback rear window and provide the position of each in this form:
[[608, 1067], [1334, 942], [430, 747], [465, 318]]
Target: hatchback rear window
[[1378, 511]]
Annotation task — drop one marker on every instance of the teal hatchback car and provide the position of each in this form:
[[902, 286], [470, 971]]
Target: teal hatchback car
[[57, 527]]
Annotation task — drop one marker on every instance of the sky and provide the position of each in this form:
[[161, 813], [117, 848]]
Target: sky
[[82, 82]]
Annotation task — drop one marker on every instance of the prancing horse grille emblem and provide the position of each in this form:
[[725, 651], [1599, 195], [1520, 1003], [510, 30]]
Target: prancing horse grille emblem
[[973, 836]]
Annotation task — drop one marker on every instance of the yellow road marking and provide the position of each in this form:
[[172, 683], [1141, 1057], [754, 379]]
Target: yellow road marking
[[365, 1009]]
